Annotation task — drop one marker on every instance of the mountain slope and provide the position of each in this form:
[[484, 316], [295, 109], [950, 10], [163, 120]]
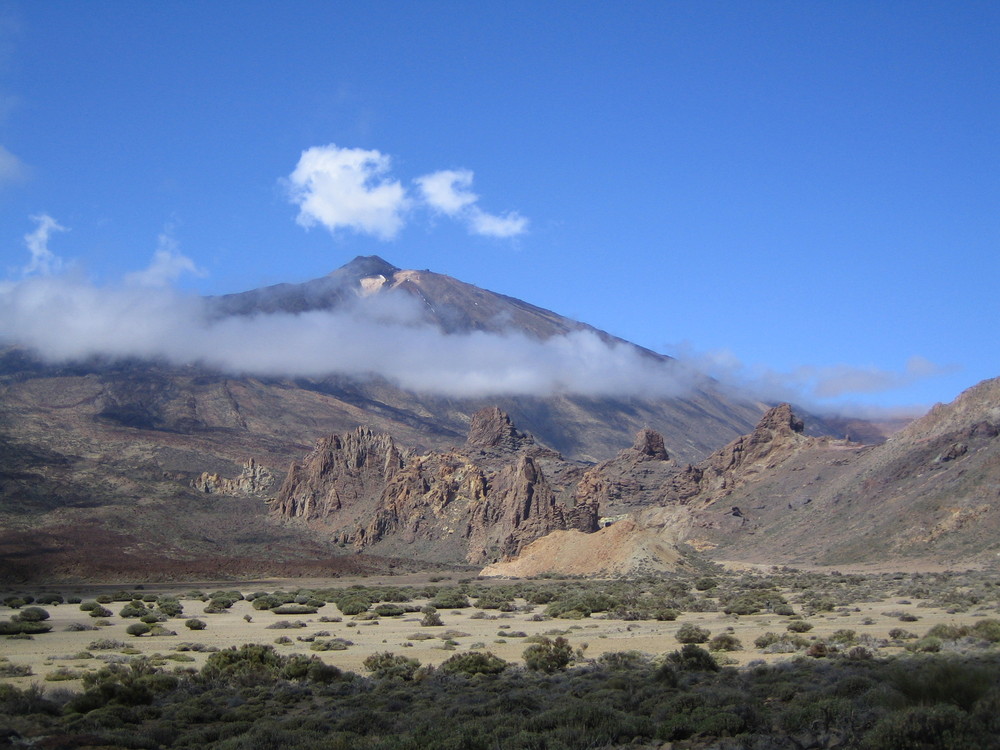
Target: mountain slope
[[929, 493], [103, 459]]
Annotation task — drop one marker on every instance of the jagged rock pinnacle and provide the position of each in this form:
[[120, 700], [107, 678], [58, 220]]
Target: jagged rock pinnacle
[[492, 428]]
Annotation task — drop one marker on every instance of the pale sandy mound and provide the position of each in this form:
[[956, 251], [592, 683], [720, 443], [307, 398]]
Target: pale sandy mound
[[620, 549]]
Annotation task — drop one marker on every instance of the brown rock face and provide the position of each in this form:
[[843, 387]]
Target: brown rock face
[[649, 445], [478, 504], [774, 439], [340, 471], [492, 428]]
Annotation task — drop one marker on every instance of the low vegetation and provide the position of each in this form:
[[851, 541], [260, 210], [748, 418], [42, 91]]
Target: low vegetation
[[819, 674]]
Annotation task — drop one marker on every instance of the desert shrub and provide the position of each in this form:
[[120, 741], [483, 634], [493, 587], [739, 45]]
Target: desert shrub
[[430, 620], [548, 656], [106, 644], [988, 630], [353, 606], [693, 658], [285, 625], [725, 642], [152, 618], [47, 599], [665, 614], [133, 609], [334, 644], [947, 632], [926, 645], [780, 643], [103, 599], [474, 662], [799, 626], [13, 628], [265, 601], [294, 609], [386, 665], [80, 626], [623, 660], [941, 727], [706, 583], [844, 637], [138, 628], [195, 624], [390, 610], [450, 599], [901, 634], [170, 607], [247, 664], [14, 670], [691, 633], [30, 614]]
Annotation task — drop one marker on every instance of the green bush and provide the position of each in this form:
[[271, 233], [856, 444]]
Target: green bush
[[548, 656], [474, 662], [31, 614], [138, 628], [691, 633], [692, 658], [940, 727], [799, 626], [386, 665], [195, 624], [725, 642]]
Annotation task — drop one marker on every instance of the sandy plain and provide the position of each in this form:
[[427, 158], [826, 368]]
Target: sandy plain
[[65, 651]]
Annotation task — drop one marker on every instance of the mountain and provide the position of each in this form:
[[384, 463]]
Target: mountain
[[777, 496], [137, 468]]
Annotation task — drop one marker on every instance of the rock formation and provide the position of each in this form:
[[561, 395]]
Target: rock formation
[[254, 480], [340, 471], [481, 503]]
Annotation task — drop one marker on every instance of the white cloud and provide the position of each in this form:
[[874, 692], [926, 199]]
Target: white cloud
[[43, 260], [447, 191], [348, 188], [166, 267], [490, 225], [351, 188], [12, 169], [64, 318]]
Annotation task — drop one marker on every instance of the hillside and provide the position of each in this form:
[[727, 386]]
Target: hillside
[[775, 496], [101, 456]]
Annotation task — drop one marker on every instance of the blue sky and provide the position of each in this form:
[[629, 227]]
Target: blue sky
[[802, 196]]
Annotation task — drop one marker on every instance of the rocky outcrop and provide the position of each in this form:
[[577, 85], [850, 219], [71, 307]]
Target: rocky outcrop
[[492, 428], [480, 503], [348, 471], [630, 480], [648, 446], [521, 508], [254, 480], [777, 436]]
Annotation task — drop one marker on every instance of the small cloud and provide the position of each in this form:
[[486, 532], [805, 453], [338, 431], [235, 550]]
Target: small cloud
[[166, 267], [816, 387], [490, 225], [43, 260], [12, 169], [447, 191], [347, 188]]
